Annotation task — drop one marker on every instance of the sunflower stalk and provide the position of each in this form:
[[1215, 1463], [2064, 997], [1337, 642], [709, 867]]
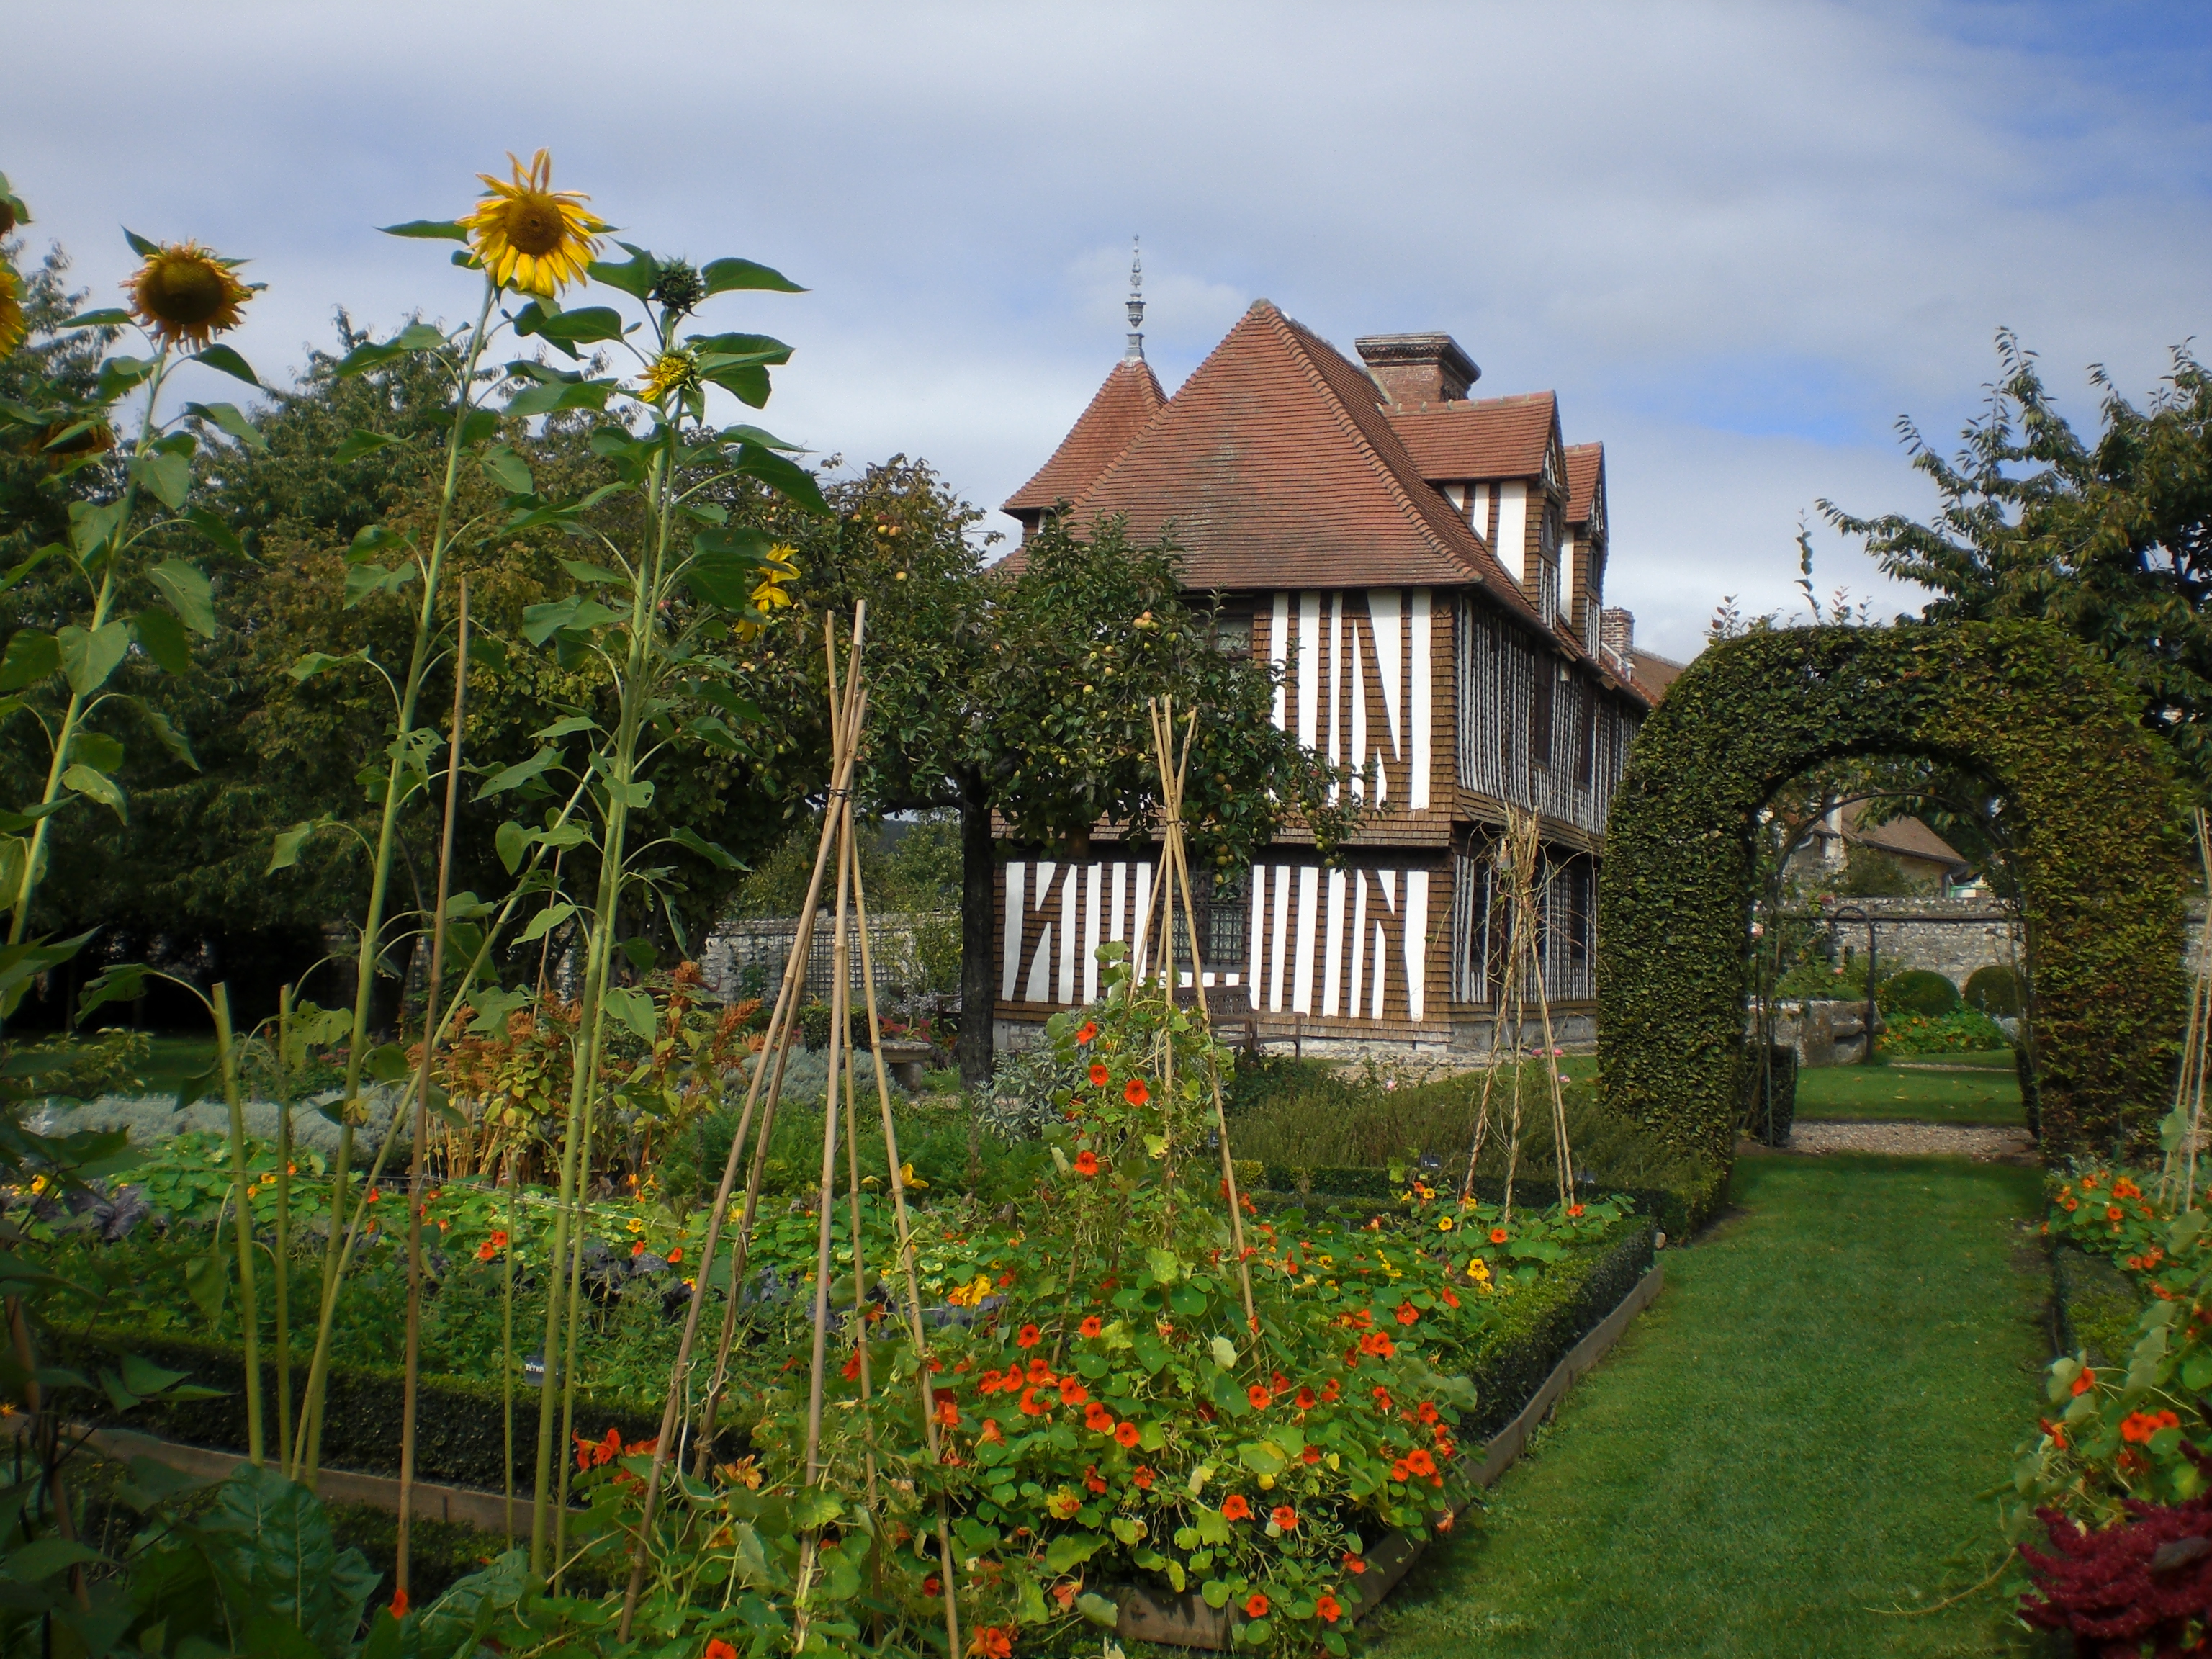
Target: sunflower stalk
[[410, 1388], [398, 791], [108, 556], [249, 1310], [617, 764]]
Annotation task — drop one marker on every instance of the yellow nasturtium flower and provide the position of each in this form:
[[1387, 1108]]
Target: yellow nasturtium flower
[[531, 236], [769, 596]]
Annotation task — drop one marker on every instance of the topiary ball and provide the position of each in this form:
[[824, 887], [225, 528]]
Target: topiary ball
[[1996, 991], [1917, 991]]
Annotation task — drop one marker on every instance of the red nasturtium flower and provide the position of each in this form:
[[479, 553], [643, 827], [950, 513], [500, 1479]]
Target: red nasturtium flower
[[1135, 1092], [2114, 1212], [1327, 1608], [992, 1642], [1028, 1338], [1236, 1508], [1127, 1434], [2124, 1187], [676, 1255], [1420, 1463], [1285, 1517], [1099, 1074], [1090, 1030], [2139, 1426], [948, 1411], [852, 1366], [1072, 1392], [1354, 1563], [2085, 1382], [718, 1649], [933, 1585], [638, 1248], [1255, 1606], [1306, 1399], [1090, 1480], [1261, 1399], [1382, 1399], [1142, 1477], [1310, 1455], [1086, 1165], [1097, 1419], [399, 1605], [1450, 1300], [1092, 1326], [1407, 1313], [486, 1251], [1497, 1234]]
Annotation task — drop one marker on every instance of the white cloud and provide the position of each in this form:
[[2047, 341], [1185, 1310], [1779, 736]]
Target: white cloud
[[1738, 238]]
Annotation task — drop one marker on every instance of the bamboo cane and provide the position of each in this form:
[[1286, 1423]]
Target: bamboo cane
[[1163, 729], [845, 707], [249, 1301], [826, 1210], [906, 1254], [283, 1261], [410, 1390]]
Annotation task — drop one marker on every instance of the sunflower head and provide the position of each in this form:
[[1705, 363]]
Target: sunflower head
[[12, 325], [12, 210], [531, 236], [184, 295], [679, 288], [673, 372], [65, 443]]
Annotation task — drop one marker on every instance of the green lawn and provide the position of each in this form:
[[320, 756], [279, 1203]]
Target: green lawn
[[175, 1060], [1794, 1434], [1978, 1091]]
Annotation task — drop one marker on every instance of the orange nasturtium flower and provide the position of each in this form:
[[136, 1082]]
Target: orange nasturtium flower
[[1092, 1326], [1255, 1606], [1086, 1165], [1327, 1608], [1099, 1074], [1090, 1029], [1135, 1092], [1258, 1394], [1285, 1517], [1234, 1508], [1028, 1338]]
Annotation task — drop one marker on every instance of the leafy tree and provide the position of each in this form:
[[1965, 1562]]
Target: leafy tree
[[1025, 696], [2111, 540]]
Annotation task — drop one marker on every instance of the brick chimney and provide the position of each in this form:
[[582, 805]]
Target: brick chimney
[[1414, 369], [1616, 632]]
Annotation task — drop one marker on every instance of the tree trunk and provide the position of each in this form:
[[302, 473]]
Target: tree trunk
[[978, 995]]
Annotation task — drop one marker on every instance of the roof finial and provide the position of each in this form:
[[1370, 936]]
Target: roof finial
[[1136, 354]]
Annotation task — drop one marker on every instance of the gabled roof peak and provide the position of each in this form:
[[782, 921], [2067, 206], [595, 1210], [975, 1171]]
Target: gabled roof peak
[[1121, 408]]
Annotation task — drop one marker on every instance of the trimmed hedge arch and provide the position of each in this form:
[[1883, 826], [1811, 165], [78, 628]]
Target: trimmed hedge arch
[[2098, 851]]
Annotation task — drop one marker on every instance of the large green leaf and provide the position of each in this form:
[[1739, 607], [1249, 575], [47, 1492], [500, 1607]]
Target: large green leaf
[[31, 656], [165, 474], [544, 922], [187, 589], [359, 443], [443, 230], [522, 771], [691, 841], [633, 1008], [230, 419], [635, 276], [546, 399], [229, 362], [97, 785], [89, 659], [162, 637], [271, 1545], [795, 484], [580, 327], [723, 274]]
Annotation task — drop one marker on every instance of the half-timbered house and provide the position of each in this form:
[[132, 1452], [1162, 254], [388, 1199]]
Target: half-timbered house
[[1426, 569]]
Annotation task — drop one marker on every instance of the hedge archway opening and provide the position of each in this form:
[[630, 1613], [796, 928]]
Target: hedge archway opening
[[2096, 851]]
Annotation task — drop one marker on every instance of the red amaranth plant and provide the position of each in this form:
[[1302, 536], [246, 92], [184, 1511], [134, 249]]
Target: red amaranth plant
[[2144, 1586]]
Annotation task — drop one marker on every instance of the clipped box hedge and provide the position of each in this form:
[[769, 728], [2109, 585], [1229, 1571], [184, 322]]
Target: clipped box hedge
[[460, 1432], [2094, 1306], [1679, 1211]]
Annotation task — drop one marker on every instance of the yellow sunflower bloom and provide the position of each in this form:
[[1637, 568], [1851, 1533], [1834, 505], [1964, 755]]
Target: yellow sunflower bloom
[[12, 325], [183, 295], [531, 236], [671, 371], [768, 595]]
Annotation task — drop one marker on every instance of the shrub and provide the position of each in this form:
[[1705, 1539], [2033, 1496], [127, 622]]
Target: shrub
[[1960, 1031], [1773, 1095], [1917, 991], [2141, 1586], [1996, 991]]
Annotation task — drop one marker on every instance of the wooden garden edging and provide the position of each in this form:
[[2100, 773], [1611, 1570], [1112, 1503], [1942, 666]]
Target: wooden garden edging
[[1186, 1622]]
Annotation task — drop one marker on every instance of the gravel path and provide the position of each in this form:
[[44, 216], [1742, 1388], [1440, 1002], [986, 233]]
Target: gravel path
[[1986, 1144]]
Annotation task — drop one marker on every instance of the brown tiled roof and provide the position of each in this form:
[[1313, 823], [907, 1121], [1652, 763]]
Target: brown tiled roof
[[1122, 407], [1654, 673], [1278, 468], [1585, 467], [1907, 837], [1481, 438]]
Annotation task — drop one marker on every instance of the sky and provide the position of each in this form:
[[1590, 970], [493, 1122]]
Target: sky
[[1739, 240]]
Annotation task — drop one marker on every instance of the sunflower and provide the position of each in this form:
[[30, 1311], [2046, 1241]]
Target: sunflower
[[12, 210], [531, 236], [671, 371], [769, 596], [184, 295], [12, 325]]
